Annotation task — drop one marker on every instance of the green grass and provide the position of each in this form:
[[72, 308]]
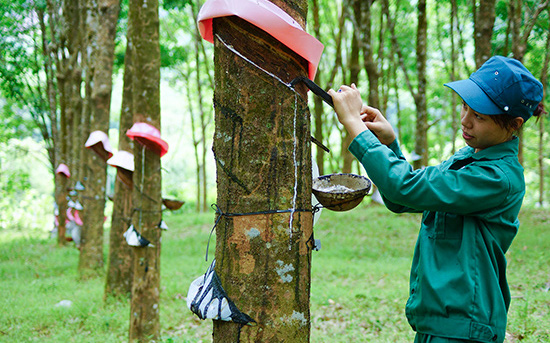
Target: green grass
[[359, 282]]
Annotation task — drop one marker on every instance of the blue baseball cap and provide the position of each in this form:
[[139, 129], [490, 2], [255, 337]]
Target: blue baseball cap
[[501, 86]]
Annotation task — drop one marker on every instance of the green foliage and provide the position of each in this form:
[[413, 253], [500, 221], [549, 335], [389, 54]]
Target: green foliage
[[24, 177], [120, 39], [21, 83], [175, 4], [13, 123], [171, 55]]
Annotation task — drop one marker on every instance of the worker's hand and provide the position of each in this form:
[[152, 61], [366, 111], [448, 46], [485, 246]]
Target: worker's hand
[[348, 105], [375, 121]]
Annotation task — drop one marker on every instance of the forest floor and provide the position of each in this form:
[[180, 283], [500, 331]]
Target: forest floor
[[359, 282]]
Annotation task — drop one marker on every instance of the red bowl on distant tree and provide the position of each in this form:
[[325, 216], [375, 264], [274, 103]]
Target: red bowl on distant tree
[[149, 136]]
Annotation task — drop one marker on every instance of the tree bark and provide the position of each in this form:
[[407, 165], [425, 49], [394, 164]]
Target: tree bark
[[421, 142], [421, 146], [371, 67], [147, 200], [484, 20], [317, 101], [73, 17], [102, 22], [262, 150], [454, 60], [72, 79], [57, 35], [120, 268], [50, 94], [520, 39], [195, 141], [55, 148], [61, 201], [203, 124], [354, 70], [544, 81]]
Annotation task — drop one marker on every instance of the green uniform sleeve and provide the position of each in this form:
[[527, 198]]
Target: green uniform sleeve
[[477, 187], [394, 146]]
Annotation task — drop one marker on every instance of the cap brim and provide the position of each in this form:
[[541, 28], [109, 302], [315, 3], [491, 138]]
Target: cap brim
[[475, 97]]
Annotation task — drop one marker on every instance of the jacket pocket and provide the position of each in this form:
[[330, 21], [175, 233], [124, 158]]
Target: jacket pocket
[[448, 225]]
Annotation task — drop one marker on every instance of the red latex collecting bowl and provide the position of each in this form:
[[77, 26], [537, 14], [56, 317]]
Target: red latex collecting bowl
[[340, 192]]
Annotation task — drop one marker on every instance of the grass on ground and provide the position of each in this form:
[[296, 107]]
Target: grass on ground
[[359, 282]]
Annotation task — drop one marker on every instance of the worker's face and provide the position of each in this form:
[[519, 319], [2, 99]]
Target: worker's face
[[480, 131]]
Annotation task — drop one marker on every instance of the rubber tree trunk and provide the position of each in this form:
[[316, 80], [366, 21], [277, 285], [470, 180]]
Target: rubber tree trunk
[[542, 131], [484, 20], [103, 23], [420, 98], [73, 81], [54, 148], [119, 271], [61, 201], [62, 149], [262, 150], [318, 102], [354, 70], [144, 308]]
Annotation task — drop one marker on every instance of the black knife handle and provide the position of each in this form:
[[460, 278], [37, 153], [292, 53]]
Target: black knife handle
[[314, 88]]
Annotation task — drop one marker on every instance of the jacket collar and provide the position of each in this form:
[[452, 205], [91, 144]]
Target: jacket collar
[[509, 148]]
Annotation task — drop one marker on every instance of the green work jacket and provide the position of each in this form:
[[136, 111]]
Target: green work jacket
[[470, 204]]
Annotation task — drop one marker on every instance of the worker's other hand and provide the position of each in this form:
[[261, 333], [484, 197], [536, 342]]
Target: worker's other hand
[[378, 124], [348, 105]]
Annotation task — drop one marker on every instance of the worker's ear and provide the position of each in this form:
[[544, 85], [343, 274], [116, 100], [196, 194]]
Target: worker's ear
[[517, 123]]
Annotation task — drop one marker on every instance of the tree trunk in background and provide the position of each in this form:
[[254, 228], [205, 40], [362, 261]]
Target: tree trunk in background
[[120, 268], [262, 149], [194, 139], [421, 141], [203, 123], [354, 70], [320, 123], [204, 117], [382, 80], [74, 14], [454, 61], [207, 117], [147, 201], [520, 39], [102, 22], [395, 86], [317, 101], [73, 98], [421, 145], [89, 45], [72, 81], [371, 66], [57, 98], [484, 20], [50, 94], [54, 151], [61, 200], [544, 81]]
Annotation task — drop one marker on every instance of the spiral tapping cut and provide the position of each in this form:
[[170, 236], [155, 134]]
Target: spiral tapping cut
[[290, 86], [295, 174]]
